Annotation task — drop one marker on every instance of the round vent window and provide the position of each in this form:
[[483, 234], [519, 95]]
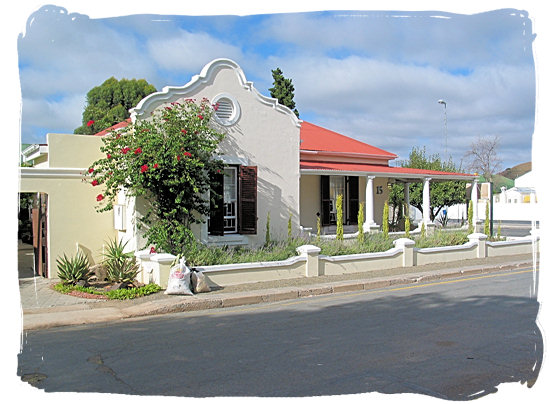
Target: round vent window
[[227, 110]]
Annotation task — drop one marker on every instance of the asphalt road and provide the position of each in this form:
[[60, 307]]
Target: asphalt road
[[453, 339]]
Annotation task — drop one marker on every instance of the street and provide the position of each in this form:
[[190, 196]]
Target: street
[[455, 339]]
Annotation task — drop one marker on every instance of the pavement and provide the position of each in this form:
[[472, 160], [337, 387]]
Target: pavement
[[43, 307]]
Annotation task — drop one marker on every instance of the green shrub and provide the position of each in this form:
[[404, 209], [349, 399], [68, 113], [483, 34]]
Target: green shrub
[[407, 227], [318, 228], [442, 239], [386, 220], [471, 217], [267, 230], [121, 266], [72, 270], [119, 294], [360, 221], [339, 218], [487, 224]]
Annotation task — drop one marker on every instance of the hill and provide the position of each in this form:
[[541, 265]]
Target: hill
[[516, 171]]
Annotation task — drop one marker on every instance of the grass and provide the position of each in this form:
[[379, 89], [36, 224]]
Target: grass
[[119, 294], [202, 255]]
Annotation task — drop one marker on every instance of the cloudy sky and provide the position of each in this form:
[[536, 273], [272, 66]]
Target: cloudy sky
[[375, 75]]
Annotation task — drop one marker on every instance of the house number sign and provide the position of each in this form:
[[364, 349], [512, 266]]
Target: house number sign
[[379, 190]]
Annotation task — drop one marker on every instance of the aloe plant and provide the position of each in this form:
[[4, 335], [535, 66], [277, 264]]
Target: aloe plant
[[121, 266], [71, 270]]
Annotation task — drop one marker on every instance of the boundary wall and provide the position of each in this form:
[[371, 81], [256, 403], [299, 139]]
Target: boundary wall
[[156, 267]]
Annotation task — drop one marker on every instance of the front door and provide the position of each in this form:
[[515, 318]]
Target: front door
[[39, 234]]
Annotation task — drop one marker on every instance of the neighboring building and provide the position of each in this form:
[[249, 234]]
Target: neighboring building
[[523, 191], [276, 164]]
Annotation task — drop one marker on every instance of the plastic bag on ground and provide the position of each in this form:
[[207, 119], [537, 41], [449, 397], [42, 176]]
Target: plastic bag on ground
[[179, 281], [198, 281]]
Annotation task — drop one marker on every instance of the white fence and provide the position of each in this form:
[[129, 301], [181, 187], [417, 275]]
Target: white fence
[[156, 267]]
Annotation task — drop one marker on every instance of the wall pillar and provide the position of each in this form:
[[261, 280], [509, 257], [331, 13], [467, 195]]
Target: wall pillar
[[311, 253], [481, 240], [407, 246]]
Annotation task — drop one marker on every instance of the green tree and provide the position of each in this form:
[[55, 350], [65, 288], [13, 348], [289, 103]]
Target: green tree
[[360, 222], [470, 217], [386, 219], [109, 103], [339, 217], [442, 194], [487, 224], [167, 160], [283, 90]]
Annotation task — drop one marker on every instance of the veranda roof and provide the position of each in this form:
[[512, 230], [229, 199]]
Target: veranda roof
[[334, 168]]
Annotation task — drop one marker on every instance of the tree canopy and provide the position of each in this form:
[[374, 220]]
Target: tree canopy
[[442, 194], [109, 103], [283, 90], [169, 161]]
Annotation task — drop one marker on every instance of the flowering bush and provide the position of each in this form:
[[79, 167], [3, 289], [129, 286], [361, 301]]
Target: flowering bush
[[169, 161]]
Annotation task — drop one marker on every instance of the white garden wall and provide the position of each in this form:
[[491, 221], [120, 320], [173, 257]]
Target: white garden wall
[[156, 267]]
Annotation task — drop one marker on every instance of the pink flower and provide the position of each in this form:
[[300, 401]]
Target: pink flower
[[90, 170], [168, 108], [95, 182], [90, 123], [216, 106], [179, 158], [187, 154], [144, 168], [138, 150], [109, 156], [201, 117], [152, 250], [155, 165], [99, 197], [125, 150], [184, 131]]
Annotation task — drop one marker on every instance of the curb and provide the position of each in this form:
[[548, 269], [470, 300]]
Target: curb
[[80, 315]]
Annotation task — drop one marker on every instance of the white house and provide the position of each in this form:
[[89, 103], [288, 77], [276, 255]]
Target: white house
[[276, 164]]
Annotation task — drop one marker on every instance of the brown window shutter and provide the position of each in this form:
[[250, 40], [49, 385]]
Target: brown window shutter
[[216, 223], [248, 190]]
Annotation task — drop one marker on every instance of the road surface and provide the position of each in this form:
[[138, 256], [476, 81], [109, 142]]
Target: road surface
[[453, 339]]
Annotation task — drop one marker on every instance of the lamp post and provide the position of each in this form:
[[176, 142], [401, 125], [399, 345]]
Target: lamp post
[[445, 112]]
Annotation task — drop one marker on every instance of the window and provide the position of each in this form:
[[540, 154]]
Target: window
[[331, 187], [233, 207], [228, 110], [230, 200]]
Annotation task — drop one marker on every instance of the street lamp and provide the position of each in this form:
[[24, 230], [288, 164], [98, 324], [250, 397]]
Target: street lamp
[[445, 111]]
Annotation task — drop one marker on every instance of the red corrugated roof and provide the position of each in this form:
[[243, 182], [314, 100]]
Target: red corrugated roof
[[316, 138], [114, 127], [374, 168]]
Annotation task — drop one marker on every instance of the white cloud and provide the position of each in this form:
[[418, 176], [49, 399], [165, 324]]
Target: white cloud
[[189, 51]]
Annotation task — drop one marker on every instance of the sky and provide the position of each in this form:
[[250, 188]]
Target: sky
[[373, 75]]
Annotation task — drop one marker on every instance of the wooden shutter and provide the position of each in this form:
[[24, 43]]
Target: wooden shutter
[[248, 191], [325, 200], [353, 199], [216, 223]]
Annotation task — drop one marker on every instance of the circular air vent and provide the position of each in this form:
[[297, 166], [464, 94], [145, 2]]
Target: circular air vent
[[227, 109]]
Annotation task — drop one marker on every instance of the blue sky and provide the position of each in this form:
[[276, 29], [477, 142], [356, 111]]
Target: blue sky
[[373, 75]]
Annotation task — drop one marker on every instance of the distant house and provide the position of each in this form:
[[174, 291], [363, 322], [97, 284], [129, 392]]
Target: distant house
[[276, 164], [523, 191]]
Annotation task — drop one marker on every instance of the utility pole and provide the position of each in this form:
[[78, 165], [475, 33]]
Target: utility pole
[[445, 122]]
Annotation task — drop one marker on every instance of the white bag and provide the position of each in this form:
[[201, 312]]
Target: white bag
[[198, 280], [179, 281]]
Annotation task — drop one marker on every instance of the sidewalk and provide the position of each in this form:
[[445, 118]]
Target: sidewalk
[[43, 307]]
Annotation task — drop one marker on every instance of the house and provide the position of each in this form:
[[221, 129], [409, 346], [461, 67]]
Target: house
[[276, 165]]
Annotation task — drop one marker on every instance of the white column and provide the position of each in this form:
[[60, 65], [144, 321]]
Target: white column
[[407, 200], [474, 200], [369, 204], [426, 201]]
